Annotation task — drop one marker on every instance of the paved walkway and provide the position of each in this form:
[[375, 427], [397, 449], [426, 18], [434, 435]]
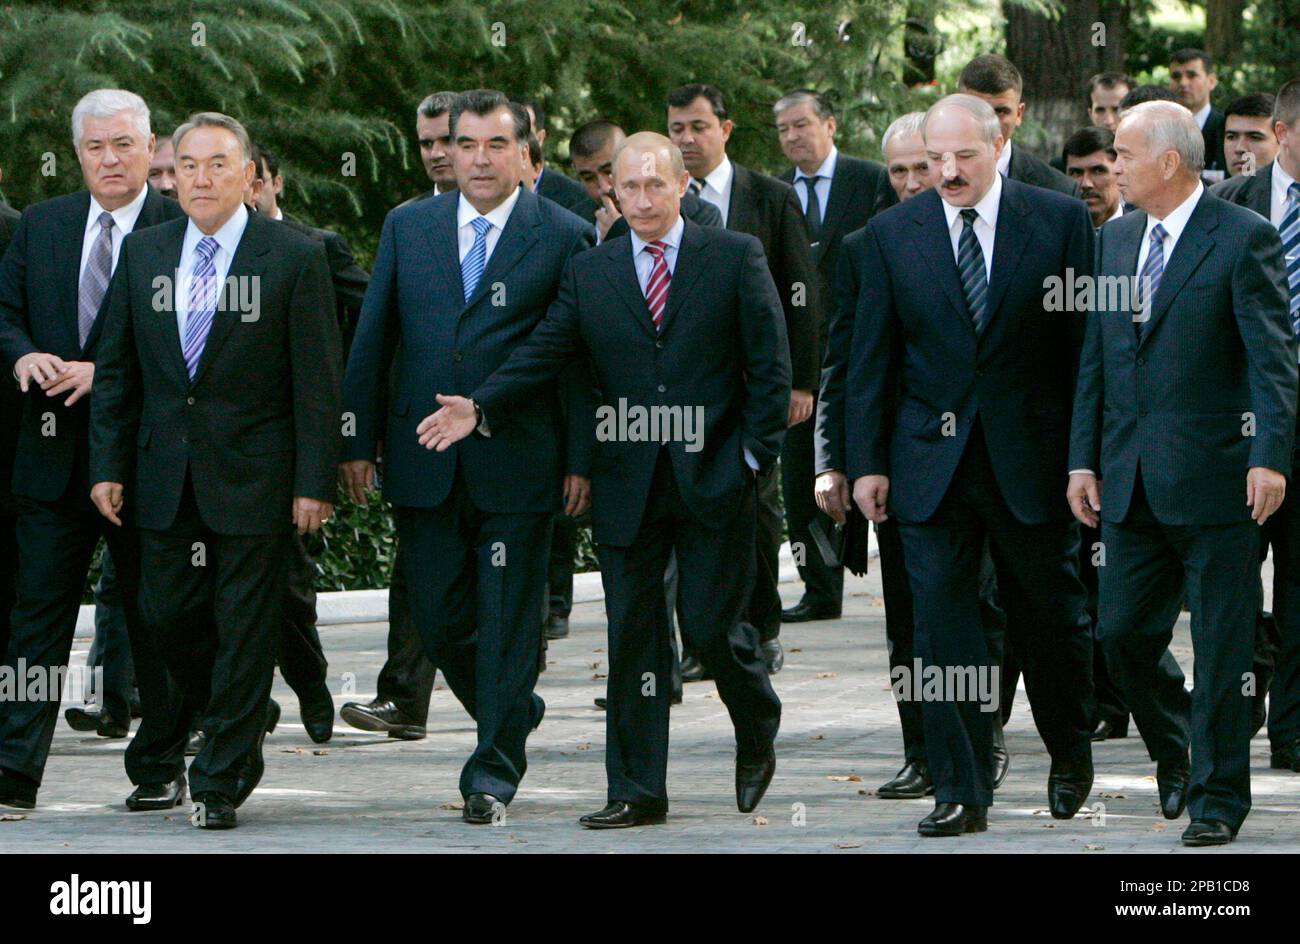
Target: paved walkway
[[839, 739]]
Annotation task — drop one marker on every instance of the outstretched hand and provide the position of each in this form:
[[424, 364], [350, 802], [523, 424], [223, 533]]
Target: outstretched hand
[[449, 425]]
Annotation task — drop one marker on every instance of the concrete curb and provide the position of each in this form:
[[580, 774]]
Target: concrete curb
[[371, 606]]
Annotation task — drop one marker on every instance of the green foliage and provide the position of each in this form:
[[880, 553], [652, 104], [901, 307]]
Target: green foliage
[[354, 550]]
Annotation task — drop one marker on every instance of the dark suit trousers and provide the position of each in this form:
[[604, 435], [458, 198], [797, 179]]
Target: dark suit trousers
[[1037, 567], [823, 586], [407, 676], [216, 602], [8, 576], [715, 569], [1148, 566], [111, 648], [1277, 635], [900, 627], [56, 541], [476, 581], [763, 609], [301, 658], [564, 548]]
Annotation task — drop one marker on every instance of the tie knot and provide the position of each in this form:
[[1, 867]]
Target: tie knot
[[811, 181], [656, 248], [207, 247], [1294, 190], [1158, 233], [106, 220], [969, 216], [481, 225], [697, 185]]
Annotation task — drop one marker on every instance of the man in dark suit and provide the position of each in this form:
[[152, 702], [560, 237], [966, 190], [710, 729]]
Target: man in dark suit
[[464, 278], [217, 418], [1249, 142], [1192, 79], [765, 207], [11, 407], [433, 136], [548, 182], [837, 194], [957, 415], [53, 281], [665, 338], [1273, 193], [996, 80], [1183, 398]]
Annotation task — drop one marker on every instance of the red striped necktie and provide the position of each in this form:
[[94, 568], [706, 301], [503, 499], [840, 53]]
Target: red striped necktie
[[656, 289]]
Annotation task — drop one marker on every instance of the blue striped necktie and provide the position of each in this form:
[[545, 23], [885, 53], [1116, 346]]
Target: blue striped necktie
[[475, 261], [203, 303], [1290, 230], [970, 264], [1149, 279]]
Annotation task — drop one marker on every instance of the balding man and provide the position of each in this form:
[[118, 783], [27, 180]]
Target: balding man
[[685, 328], [957, 413], [1186, 406]]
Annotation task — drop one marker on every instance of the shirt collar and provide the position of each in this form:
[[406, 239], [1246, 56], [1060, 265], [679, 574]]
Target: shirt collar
[[987, 207], [1004, 160], [1176, 221], [537, 181], [1202, 116], [1282, 181], [228, 237], [827, 169], [720, 177], [672, 239], [124, 217], [466, 214], [1119, 211]]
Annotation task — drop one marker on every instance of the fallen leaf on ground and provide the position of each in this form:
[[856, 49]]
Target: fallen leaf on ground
[[1092, 847], [845, 778], [453, 805], [826, 674], [12, 817], [759, 820], [848, 845]]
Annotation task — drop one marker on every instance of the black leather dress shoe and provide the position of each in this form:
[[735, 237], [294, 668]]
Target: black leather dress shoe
[[953, 819], [752, 778], [479, 808], [1068, 786], [317, 712], [1109, 729], [1172, 778], [1208, 832], [157, 796], [213, 811], [601, 703], [1001, 756], [1286, 757], [557, 627], [17, 791], [910, 783], [693, 670], [382, 716], [772, 654], [620, 815], [805, 612], [194, 746], [1258, 712], [250, 772], [97, 719], [272, 714]]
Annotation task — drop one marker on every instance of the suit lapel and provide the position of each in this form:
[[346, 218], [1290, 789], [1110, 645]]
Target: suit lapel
[[1260, 197], [1193, 246], [844, 183], [1130, 242], [1010, 239], [249, 262], [931, 235], [441, 242], [519, 236], [692, 260], [740, 208], [620, 269], [167, 262], [67, 263]]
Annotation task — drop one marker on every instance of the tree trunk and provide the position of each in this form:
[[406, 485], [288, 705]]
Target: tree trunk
[[1223, 30]]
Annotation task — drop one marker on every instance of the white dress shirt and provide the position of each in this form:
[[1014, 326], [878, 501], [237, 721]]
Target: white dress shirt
[[228, 238], [645, 261], [717, 187], [825, 172], [985, 225], [124, 220], [1004, 159], [466, 215], [1279, 200], [1202, 116]]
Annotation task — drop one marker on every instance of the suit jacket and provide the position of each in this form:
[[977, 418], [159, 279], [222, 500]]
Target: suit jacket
[[765, 207], [11, 403], [700, 212], [1029, 169], [39, 279], [349, 279], [1255, 191], [259, 424], [859, 189], [721, 347], [1215, 126], [1211, 390], [567, 193], [415, 307], [919, 375]]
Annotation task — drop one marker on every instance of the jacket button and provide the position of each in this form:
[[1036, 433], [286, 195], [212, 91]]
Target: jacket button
[[189, 400], [662, 388], [185, 439], [1143, 412], [456, 357], [1142, 361], [659, 344]]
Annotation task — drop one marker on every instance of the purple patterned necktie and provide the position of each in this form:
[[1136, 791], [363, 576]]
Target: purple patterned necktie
[[203, 303], [94, 280]]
